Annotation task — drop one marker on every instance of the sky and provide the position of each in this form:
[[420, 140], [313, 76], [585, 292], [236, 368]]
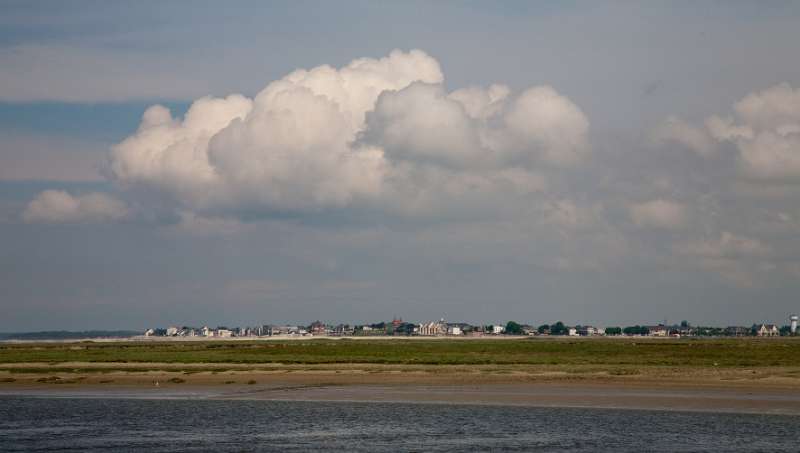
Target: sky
[[193, 163]]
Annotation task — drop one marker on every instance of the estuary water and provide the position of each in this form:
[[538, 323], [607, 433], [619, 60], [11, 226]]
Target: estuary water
[[105, 424]]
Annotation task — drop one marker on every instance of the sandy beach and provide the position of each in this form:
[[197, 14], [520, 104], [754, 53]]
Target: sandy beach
[[775, 390]]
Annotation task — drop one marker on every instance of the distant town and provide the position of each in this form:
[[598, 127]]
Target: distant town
[[441, 328]]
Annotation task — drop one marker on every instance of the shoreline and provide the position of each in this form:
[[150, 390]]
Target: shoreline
[[776, 391]]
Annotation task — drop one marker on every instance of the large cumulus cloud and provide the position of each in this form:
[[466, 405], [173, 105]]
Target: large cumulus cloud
[[377, 132]]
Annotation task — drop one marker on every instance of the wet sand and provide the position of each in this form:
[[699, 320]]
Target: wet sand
[[775, 390]]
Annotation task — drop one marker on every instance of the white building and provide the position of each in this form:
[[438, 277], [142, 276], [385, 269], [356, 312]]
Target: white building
[[224, 333], [657, 331], [572, 332], [587, 331], [149, 332], [454, 330], [793, 324], [767, 330], [207, 332], [431, 329], [172, 331], [497, 329]]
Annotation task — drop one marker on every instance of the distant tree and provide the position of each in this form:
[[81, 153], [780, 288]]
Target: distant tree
[[558, 329], [544, 328], [684, 324], [785, 331], [613, 330], [635, 330], [513, 328], [406, 328]]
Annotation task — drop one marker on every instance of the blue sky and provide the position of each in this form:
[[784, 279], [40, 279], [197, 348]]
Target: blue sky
[[663, 184]]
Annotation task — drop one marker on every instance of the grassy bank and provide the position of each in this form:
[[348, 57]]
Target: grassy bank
[[607, 352]]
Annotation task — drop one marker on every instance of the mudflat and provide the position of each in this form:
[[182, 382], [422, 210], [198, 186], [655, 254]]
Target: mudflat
[[708, 375]]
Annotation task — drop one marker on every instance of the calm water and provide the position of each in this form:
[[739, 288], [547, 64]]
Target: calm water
[[50, 424]]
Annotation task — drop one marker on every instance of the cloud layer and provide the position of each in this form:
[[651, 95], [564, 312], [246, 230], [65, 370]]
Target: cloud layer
[[383, 141]]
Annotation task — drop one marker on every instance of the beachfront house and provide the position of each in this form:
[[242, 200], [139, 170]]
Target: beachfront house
[[433, 328], [767, 330]]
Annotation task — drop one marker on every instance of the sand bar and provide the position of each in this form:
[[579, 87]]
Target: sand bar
[[774, 391]]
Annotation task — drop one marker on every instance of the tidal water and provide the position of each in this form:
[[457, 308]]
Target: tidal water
[[79, 424]]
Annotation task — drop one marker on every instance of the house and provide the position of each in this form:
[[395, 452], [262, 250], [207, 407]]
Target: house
[[430, 329], [149, 332], [587, 331], [528, 329], [454, 330], [737, 331], [224, 333], [342, 330], [572, 332], [767, 330], [657, 331], [318, 328], [498, 329], [172, 331], [206, 332]]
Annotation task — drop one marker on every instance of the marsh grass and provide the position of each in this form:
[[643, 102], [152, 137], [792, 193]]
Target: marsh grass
[[623, 354]]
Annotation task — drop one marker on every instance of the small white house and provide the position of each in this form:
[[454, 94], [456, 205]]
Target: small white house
[[454, 330], [572, 332], [498, 329]]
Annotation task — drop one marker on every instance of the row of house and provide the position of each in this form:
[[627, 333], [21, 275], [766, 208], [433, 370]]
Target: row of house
[[397, 327]]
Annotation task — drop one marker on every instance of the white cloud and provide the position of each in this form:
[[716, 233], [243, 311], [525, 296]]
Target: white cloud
[[420, 123], [540, 119], [55, 206], [476, 128], [764, 128], [771, 156], [377, 132], [658, 214]]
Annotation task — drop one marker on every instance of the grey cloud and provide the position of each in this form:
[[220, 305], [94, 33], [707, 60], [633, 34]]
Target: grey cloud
[[55, 206]]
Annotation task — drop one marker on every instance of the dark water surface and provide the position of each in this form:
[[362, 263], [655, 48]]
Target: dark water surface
[[78, 424]]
